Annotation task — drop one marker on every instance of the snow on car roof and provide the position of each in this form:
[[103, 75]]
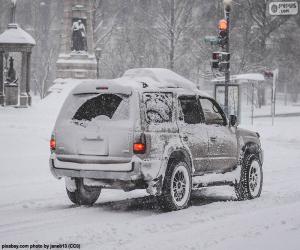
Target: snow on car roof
[[97, 86], [165, 77], [150, 79]]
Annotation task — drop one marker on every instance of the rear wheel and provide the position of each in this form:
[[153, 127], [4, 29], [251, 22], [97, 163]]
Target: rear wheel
[[83, 195], [250, 185], [177, 187]]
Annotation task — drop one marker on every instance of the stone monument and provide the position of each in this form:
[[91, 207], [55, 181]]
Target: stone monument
[[77, 57], [15, 86]]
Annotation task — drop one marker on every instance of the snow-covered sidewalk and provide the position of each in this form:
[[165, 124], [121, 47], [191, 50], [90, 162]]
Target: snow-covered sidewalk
[[35, 209]]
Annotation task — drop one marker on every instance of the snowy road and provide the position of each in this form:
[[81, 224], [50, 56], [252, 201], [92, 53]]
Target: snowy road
[[35, 209]]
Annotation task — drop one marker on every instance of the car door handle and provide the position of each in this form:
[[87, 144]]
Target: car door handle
[[213, 139]]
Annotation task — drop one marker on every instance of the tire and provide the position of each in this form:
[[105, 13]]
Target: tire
[[177, 186], [83, 195], [250, 185]]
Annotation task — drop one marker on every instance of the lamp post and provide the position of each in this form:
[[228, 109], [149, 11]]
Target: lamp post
[[227, 9], [98, 53], [13, 11]]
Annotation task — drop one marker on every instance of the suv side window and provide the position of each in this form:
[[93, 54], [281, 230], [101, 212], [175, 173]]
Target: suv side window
[[158, 107], [213, 114], [191, 109]]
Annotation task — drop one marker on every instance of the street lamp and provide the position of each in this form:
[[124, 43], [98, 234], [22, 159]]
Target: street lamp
[[98, 53], [227, 4], [13, 11]]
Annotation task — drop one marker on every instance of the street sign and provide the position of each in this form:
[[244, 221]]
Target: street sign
[[283, 8], [212, 40]]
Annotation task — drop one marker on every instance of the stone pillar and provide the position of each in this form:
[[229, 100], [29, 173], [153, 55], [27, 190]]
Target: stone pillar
[[1, 79], [28, 77], [65, 43], [23, 86]]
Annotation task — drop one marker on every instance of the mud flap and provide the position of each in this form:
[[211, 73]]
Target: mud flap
[[155, 186], [70, 184]]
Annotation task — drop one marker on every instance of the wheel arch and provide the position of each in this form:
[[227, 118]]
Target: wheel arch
[[181, 155], [178, 154], [252, 148]]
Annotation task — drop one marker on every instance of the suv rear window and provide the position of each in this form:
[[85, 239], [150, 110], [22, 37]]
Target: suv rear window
[[105, 105], [158, 107], [84, 108]]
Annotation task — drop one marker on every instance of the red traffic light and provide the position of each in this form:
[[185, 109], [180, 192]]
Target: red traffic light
[[268, 74], [221, 56], [215, 55]]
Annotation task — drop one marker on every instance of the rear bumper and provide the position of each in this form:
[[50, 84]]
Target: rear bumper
[[134, 174], [134, 170]]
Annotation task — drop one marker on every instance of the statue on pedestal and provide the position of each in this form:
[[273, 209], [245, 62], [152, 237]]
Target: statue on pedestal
[[11, 74], [77, 56], [79, 36]]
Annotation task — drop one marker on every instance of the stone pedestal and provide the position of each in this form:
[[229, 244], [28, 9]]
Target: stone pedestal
[[11, 95], [72, 63], [76, 66]]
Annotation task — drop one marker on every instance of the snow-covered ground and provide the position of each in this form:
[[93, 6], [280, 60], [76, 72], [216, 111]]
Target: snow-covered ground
[[34, 207]]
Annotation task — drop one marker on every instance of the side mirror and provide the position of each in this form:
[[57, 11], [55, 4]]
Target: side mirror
[[233, 120]]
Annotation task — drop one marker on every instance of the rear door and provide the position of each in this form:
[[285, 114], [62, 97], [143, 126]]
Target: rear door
[[159, 125], [222, 138], [193, 131], [96, 126]]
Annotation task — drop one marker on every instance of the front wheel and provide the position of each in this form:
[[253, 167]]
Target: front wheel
[[250, 185], [177, 187], [83, 195]]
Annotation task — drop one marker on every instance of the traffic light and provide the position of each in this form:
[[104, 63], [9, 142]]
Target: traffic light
[[220, 60], [268, 74], [224, 66], [215, 60], [223, 32]]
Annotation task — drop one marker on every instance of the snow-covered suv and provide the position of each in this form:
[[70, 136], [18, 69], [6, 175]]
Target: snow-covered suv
[[151, 129]]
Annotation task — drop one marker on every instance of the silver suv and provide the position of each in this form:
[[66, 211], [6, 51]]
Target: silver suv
[[144, 132]]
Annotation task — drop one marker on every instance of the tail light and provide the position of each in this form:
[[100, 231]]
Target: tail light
[[52, 144], [139, 147]]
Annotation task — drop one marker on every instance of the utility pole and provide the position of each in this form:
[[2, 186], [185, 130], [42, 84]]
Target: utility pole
[[221, 59], [275, 77], [172, 34], [227, 8]]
